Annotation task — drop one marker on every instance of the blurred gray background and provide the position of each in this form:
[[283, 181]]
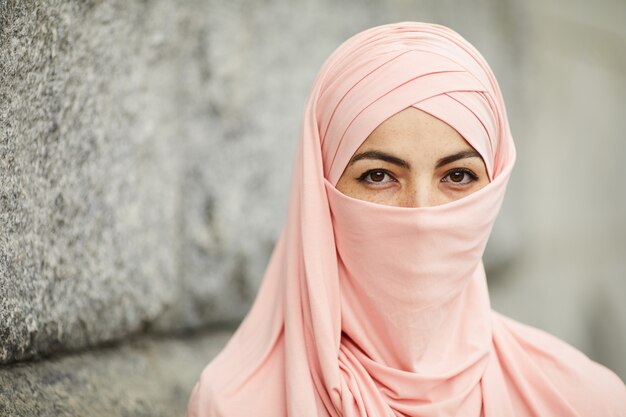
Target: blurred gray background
[[145, 157]]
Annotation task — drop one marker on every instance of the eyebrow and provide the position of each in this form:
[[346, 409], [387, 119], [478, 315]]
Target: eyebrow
[[382, 156], [469, 153]]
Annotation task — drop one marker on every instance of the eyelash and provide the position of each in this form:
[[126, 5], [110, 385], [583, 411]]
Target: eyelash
[[364, 175], [470, 173]]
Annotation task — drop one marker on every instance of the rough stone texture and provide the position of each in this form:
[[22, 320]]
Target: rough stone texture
[[145, 155], [143, 378], [90, 192]]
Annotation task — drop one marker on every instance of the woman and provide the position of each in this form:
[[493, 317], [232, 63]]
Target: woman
[[374, 302]]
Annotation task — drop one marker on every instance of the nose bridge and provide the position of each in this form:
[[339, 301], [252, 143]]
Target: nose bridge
[[422, 193]]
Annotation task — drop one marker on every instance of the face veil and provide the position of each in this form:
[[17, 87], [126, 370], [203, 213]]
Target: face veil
[[372, 310]]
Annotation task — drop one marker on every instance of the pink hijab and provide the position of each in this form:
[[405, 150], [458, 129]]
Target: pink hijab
[[374, 310]]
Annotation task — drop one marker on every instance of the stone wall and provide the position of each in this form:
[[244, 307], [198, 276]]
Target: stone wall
[[145, 155]]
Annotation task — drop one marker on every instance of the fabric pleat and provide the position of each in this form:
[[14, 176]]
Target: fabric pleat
[[383, 311]]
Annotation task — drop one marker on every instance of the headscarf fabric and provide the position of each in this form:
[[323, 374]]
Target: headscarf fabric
[[383, 311]]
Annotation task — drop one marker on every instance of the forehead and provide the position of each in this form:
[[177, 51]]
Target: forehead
[[414, 131]]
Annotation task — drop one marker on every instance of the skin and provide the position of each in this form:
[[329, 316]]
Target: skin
[[413, 159]]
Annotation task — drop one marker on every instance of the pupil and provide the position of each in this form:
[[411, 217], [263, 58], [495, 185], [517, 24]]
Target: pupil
[[377, 176], [457, 176]]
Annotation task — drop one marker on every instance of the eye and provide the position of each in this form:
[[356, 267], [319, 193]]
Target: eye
[[376, 176], [460, 176]]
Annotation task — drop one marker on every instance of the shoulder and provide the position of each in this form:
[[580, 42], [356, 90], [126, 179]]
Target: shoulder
[[236, 386], [202, 402], [591, 388]]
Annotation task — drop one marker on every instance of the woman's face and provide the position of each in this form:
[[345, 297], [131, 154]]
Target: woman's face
[[413, 159]]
